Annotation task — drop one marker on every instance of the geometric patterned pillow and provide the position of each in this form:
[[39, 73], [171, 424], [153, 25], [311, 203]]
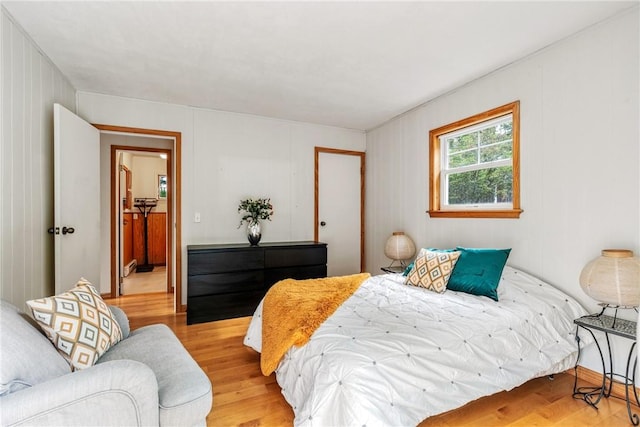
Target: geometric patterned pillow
[[78, 323], [431, 270]]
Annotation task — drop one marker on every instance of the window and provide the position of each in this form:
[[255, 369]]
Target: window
[[162, 186], [475, 166]]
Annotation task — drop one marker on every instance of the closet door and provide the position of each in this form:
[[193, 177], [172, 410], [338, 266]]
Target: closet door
[[339, 209]]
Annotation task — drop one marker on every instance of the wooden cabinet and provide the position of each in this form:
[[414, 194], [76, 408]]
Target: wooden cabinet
[[229, 280], [158, 238], [157, 234]]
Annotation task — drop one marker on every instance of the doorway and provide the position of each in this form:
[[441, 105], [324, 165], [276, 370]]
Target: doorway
[[156, 142], [339, 208], [142, 219]]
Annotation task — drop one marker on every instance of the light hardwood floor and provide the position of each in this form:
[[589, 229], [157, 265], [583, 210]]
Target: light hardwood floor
[[142, 283], [244, 397]]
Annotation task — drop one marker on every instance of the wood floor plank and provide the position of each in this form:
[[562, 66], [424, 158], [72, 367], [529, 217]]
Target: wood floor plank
[[244, 397]]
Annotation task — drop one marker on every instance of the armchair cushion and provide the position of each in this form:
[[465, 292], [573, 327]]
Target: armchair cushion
[[183, 388], [122, 320], [28, 358]]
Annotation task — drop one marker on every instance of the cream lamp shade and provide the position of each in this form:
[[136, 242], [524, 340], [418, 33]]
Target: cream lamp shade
[[399, 247], [613, 278]]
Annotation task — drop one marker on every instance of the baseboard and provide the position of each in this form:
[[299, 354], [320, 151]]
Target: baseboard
[[130, 267], [595, 378]]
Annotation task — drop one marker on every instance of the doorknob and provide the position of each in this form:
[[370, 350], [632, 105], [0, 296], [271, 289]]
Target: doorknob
[[68, 230], [53, 230], [322, 224]]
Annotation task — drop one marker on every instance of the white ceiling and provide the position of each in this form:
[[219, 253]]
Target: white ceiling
[[348, 64]]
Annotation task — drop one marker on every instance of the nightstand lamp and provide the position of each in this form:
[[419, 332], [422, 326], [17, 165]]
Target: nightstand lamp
[[399, 247], [613, 279]]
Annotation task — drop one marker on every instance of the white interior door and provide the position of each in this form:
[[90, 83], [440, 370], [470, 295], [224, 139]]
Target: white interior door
[[339, 212], [76, 200]]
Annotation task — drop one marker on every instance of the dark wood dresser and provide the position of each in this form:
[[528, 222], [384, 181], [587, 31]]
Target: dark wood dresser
[[229, 280]]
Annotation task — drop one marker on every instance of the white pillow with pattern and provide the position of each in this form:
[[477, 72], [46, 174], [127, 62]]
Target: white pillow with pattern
[[78, 323], [432, 270]]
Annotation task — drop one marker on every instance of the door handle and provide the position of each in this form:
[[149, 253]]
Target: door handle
[[53, 230], [322, 223], [68, 230]]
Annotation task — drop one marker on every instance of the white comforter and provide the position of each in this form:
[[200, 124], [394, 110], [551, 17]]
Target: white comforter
[[394, 354]]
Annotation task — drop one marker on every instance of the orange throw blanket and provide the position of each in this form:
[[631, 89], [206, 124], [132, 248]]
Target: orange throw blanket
[[293, 310]]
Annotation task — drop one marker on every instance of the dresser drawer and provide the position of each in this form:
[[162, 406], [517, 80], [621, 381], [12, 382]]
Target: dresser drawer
[[210, 284], [223, 262], [287, 257], [224, 306]]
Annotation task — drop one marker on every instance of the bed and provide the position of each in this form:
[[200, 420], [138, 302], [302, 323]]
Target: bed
[[394, 354]]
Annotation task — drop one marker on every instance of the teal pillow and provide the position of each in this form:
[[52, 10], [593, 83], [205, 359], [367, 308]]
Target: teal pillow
[[408, 269], [478, 271]]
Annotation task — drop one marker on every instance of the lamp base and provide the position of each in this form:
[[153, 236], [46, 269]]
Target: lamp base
[[402, 263]]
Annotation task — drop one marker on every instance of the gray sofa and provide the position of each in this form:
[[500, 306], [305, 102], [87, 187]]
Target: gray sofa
[[146, 379]]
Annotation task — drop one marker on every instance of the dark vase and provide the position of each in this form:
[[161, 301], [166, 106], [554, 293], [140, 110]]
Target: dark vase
[[254, 233]]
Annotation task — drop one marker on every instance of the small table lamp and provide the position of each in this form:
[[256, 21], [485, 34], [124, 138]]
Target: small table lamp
[[613, 278], [399, 247]]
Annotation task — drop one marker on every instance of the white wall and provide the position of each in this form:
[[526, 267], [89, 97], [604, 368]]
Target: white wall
[[227, 157], [144, 179], [579, 159], [30, 84]]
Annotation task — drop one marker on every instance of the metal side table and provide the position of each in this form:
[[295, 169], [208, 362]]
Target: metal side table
[[398, 269], [609, 325]]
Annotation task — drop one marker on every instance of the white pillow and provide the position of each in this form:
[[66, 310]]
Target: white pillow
[[78, 323], [432, 270]]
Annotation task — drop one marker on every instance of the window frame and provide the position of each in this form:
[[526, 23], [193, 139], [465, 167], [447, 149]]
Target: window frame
[[436, 192]]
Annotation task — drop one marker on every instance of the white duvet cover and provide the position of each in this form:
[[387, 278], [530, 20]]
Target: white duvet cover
[[393, 355]]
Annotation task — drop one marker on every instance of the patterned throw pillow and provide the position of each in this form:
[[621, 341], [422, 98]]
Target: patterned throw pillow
[[431, 270], [78, 323]]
